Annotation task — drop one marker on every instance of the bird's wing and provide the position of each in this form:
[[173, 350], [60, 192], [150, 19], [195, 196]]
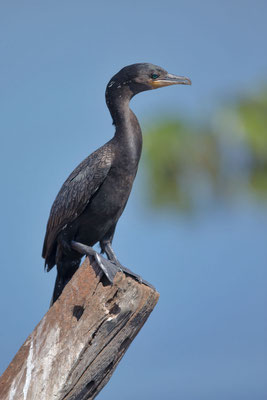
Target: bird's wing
[[76, 193]]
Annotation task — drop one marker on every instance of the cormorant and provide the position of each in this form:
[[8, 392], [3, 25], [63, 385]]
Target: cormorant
[[92, 199]]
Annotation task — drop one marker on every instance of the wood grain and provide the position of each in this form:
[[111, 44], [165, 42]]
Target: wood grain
[[73, 351]]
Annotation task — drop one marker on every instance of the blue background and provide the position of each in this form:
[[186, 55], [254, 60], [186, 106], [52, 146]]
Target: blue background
[[206, 339]]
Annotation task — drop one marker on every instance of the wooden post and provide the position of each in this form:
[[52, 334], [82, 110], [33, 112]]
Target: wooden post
[[73, 351]]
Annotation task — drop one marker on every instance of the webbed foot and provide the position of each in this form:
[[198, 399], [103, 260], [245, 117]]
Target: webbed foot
[[127, 271], [109, 268], [106, 248]]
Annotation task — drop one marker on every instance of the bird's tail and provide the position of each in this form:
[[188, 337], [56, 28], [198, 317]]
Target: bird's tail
[[65, 271]]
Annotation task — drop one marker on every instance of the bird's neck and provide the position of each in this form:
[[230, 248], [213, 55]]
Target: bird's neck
[[128, 131]]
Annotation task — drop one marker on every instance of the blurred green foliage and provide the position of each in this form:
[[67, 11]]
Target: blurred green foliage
[[252, 113], [188, 164]]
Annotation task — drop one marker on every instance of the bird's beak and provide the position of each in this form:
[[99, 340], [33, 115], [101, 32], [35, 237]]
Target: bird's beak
[[170, 79]]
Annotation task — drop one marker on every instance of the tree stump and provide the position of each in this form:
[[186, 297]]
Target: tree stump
[[73, 351]]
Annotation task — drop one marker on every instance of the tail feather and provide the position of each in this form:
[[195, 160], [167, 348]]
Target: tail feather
[[65, 270]]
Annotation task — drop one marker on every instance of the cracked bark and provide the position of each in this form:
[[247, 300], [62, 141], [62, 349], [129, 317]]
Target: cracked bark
[[73, 351]]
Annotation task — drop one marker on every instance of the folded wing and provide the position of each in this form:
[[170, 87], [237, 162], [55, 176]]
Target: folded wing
[[74, 195]]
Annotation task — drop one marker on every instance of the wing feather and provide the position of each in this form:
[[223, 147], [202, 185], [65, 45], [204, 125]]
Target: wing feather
[[76, 193]]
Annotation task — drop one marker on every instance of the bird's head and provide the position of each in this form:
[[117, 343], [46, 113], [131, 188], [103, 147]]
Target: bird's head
[[137, 78]]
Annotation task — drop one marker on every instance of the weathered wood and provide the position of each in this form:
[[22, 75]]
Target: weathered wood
[[73, 351]]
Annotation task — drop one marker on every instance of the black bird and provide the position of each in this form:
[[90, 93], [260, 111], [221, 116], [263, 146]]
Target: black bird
[[92, 199]]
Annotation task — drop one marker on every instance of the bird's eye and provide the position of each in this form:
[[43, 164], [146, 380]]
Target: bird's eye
[[154, 76]]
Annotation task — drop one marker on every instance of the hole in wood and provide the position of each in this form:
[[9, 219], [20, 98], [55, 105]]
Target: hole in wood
[[125, 344], [90, 385], [108, 368], [77, 312], [115, 309], [112, 298]]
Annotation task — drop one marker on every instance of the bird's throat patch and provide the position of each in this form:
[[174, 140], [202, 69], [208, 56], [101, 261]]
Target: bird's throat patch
[[155, 84]]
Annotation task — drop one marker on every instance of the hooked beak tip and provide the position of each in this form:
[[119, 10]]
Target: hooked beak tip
[[170, 79], [178, 80], [188, 81]]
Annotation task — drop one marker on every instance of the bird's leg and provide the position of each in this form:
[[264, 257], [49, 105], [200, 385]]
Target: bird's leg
[[109, 268], [106, 248]]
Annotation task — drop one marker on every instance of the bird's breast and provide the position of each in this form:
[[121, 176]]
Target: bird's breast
[[107, 204], [114, 192]]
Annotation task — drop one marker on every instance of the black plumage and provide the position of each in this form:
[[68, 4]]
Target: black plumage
[[92, 199]]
